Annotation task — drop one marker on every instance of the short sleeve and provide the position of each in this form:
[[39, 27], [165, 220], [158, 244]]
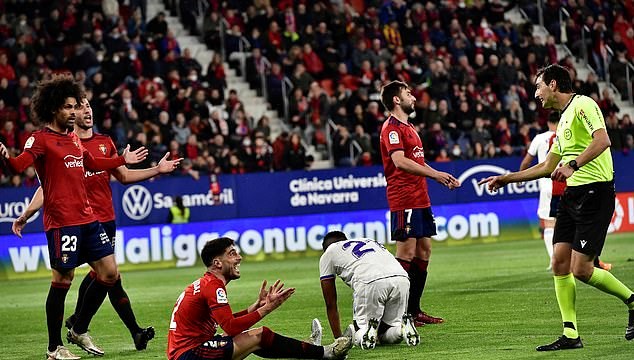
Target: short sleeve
[[556, 147], [215, 296], [326, 267], [533, 147], [113, 149], [590, 114], [36, 145], [392, 139]]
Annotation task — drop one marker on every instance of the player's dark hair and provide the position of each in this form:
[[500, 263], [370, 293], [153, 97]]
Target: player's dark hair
[[50, 95], [333, 237], [558, 73], [214, 248], [553, 117], [389, 91]]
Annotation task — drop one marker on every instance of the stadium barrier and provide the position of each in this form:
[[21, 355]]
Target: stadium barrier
[[287, 214]]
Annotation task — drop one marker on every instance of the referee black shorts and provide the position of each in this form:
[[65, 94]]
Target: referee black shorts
[[583, 216]]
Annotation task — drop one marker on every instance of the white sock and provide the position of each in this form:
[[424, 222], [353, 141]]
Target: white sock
[[548, 241], [393, 335]]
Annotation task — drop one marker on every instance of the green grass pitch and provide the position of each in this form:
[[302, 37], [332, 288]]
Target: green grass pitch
[[497, 300]]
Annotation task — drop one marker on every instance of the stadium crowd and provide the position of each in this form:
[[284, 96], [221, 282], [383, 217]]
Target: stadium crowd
[[471, 71]]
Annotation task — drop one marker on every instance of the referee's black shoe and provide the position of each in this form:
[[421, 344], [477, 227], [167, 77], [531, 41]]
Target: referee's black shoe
[[629, 332], [563, 343]]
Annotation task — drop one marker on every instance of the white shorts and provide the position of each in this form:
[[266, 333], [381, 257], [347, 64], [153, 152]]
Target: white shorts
[[383, 299], [545, 194]]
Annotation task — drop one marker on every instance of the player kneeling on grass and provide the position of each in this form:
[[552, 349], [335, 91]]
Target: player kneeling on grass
[[204, 306], [380, 291]]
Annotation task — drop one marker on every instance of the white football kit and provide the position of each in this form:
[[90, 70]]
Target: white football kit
[[379, 283], [539, 147]]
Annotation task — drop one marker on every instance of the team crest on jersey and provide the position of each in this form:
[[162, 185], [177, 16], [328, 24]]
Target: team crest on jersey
[[102, 148], [567, 134], [221, 296], [64, 258], [393, 137], [29, 142], [76, 143]]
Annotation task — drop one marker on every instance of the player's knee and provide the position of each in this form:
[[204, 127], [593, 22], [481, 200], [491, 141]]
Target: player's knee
[[582, 273], [108, 277]]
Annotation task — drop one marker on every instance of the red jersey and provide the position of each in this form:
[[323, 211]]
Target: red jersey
[[98, 183], [404, 190], [198, 312], [59, 162]]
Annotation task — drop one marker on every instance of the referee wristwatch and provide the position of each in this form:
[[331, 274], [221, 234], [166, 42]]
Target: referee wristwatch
[[573, 165]]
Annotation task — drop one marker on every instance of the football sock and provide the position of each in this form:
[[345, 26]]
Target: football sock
[[93, 298], [392, 335], [55, 313], [274, 346], [404, 263], [566, 292], [606, 282], [548, 241], [88, 279], [121, 303], [418, 272]]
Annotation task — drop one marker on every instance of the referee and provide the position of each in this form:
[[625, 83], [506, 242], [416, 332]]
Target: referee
[[582, 147]]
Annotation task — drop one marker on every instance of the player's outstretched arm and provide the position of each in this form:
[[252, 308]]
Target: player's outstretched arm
[[329, 291], [543, 169], [35, 205], [19, 163], [128, 176]]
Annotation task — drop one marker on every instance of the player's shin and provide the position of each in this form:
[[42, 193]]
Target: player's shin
[[55, 313], [275, 346]]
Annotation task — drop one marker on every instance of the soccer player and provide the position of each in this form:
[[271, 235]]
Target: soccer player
[[73, 233], [380, 290], [539, 147], [582, 146], [204, 305], [406, 172], [100, 195]]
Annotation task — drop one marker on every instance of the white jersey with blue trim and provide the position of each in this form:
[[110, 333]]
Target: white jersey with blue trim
[[359, 260]]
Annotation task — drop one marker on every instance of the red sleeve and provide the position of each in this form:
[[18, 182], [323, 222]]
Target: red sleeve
[[393, 139], [240, 313], [21, 162], [231, 325], [100, 163]]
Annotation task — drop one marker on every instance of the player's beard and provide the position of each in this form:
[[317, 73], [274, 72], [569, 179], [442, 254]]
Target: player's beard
[[407, 108]]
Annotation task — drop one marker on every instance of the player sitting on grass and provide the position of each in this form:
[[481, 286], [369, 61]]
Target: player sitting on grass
[[204, 305]]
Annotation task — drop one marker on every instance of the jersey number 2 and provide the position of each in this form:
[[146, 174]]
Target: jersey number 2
[[358, 250], [178, 303]]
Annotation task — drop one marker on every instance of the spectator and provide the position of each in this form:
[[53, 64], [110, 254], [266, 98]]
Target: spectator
[[295, 155]]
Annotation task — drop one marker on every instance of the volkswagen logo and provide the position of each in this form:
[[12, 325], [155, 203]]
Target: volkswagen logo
[[137, 202]]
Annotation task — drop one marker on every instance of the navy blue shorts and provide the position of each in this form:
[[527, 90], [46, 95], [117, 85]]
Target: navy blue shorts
[[412, 223], [71, 246], [218, 348], [111, 230], [554, 205]]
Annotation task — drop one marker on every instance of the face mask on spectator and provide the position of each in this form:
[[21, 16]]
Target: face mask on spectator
[[100, 57], [115, 59], [532, 106], [132, 56]]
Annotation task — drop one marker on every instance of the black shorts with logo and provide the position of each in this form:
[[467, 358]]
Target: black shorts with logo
[[583, 216], [412, 223], [218, 348]]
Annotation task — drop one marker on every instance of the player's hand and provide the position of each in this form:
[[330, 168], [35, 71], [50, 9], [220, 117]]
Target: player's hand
[[447, 180], [562, 173], [494, 182], [136, 156], [4, 151], [167, 166], [18, 225], [276, 296]]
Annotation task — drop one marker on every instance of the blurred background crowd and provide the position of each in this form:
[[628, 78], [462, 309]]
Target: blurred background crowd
[[320, 64]]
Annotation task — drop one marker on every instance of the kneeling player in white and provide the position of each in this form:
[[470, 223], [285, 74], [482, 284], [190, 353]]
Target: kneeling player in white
[[380, 290]]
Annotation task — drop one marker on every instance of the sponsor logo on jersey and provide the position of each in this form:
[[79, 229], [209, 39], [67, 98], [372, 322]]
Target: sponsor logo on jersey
[[393, 137], [585, 118], [418, 152], [72, 161], [102, 148], [221, 296]]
